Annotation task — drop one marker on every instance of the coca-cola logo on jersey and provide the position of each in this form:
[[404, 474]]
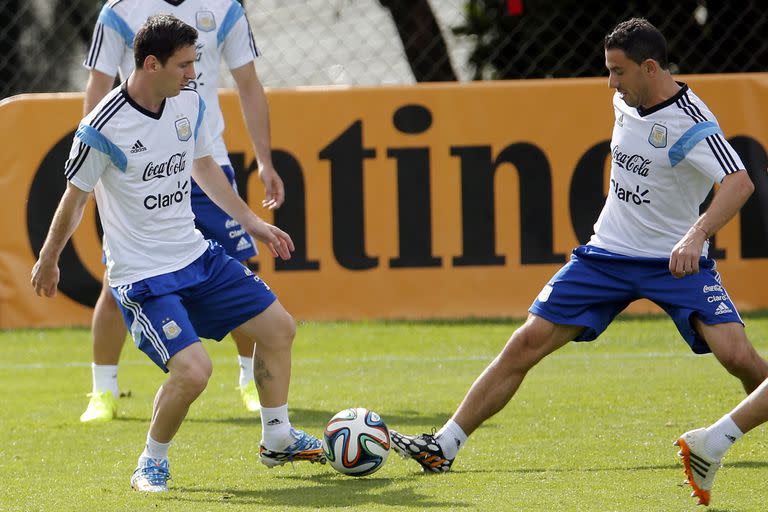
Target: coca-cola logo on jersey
[[636, 164], [174, 165]]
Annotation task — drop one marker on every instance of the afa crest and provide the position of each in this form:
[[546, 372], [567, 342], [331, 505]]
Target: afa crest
[[183, 129], [205, 21], [171, 329], [658, 136]]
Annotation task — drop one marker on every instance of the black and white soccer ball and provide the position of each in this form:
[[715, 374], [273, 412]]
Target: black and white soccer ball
[[356, 442]]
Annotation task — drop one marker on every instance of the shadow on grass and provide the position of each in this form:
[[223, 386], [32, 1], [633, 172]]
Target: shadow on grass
[[326, 490], [315, 418]]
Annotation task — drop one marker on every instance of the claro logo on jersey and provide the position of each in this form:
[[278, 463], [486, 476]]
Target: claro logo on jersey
[[158, 201], [636, 164], [174, 165]]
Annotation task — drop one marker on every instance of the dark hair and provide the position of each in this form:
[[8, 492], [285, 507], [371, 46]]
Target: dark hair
[[161, 35], [639, 40]]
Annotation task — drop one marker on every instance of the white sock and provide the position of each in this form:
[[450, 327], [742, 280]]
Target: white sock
[[155, 450], [451, 438], [721, 435], [246, 370], [275, 427], [105, 379]]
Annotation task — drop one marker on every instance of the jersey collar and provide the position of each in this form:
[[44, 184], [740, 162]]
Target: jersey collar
[[132, 102], [679, 94]]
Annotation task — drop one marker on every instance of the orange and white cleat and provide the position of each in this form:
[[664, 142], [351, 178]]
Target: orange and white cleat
[[699, 468]]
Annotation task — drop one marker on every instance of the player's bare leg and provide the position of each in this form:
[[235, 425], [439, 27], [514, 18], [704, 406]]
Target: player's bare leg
[[189, 371], [490, 392], [108, 332], [273, 331], [731, 347]]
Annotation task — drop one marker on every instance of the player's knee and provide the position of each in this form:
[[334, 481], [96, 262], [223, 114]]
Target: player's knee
[[284, 331], [195, 380], [523, 350], [744, 362]]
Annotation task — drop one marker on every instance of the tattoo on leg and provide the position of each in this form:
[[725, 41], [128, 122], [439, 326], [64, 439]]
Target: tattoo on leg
[[260, 372]]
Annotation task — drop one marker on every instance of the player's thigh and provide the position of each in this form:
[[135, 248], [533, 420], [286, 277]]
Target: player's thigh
[[274, 326], [728, 342], [538, 337]]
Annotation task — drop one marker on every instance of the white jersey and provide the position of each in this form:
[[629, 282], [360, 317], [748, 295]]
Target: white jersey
[[223, 31], [664, 162], [140, 165]]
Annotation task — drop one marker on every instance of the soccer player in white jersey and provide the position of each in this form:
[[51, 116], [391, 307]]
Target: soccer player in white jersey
[[702, 449], [649, 242], [173, 285], [224, 34]]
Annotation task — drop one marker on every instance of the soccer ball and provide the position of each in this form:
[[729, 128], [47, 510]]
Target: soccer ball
[[356, 442]]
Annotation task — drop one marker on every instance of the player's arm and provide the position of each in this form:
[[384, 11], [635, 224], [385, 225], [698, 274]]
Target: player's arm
[[734, 191], [45, 272], [253, 102], [214, 183], [99, 84]]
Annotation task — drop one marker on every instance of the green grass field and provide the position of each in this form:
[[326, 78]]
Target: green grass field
[[590, 430]]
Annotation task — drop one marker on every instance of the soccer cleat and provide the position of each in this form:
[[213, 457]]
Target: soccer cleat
[[304, 447], [699, 468], [424, 449], [250, 396], [102, 407], [151, 475]]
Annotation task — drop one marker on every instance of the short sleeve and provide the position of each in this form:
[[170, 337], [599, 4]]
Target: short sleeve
[[85, 165], [112, 38], [203, 145], [235, 38], [715, 157]]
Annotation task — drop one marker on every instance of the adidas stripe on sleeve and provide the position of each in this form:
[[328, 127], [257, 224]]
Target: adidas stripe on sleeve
[[112, 39], [235, 38], [707, 149]]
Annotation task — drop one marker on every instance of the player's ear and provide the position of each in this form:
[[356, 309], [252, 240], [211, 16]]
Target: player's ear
[[650, 66], [151, 63]]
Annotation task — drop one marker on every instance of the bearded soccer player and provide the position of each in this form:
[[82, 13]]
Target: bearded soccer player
[[650, 242]]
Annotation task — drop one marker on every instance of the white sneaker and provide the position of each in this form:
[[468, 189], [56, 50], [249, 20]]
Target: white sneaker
[[151, 475], [700, 469]]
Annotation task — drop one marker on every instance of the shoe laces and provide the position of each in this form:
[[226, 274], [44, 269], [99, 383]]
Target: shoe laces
[[303, 441], [157, 472]]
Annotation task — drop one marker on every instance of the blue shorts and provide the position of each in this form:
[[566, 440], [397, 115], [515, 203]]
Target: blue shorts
[[208, 298], [215, 224], [596, 285]]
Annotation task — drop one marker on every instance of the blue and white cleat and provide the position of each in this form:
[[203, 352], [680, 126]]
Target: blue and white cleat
[[151, 475], [304, 447]]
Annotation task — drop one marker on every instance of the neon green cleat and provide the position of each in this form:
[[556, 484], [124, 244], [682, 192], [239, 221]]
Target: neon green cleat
[[250, 396], [102, 407]]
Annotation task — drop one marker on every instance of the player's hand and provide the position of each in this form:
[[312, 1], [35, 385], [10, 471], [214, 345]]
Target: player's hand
[[45, 278], [274, 191], [278, 241], [684, 259]]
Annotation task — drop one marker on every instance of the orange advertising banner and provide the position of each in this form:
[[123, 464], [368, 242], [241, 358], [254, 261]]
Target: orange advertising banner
[[427, 201]]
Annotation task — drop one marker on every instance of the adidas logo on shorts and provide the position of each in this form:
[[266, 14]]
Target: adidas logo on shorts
[[723, 309], [138, 147], [243, 244]]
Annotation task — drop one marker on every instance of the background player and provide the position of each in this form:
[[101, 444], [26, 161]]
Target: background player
[[224, 34], [649, 242]]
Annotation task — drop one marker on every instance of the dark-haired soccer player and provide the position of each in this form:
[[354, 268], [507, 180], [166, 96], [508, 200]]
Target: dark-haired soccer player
[[174, 286], [650, 242], [224, 36]]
